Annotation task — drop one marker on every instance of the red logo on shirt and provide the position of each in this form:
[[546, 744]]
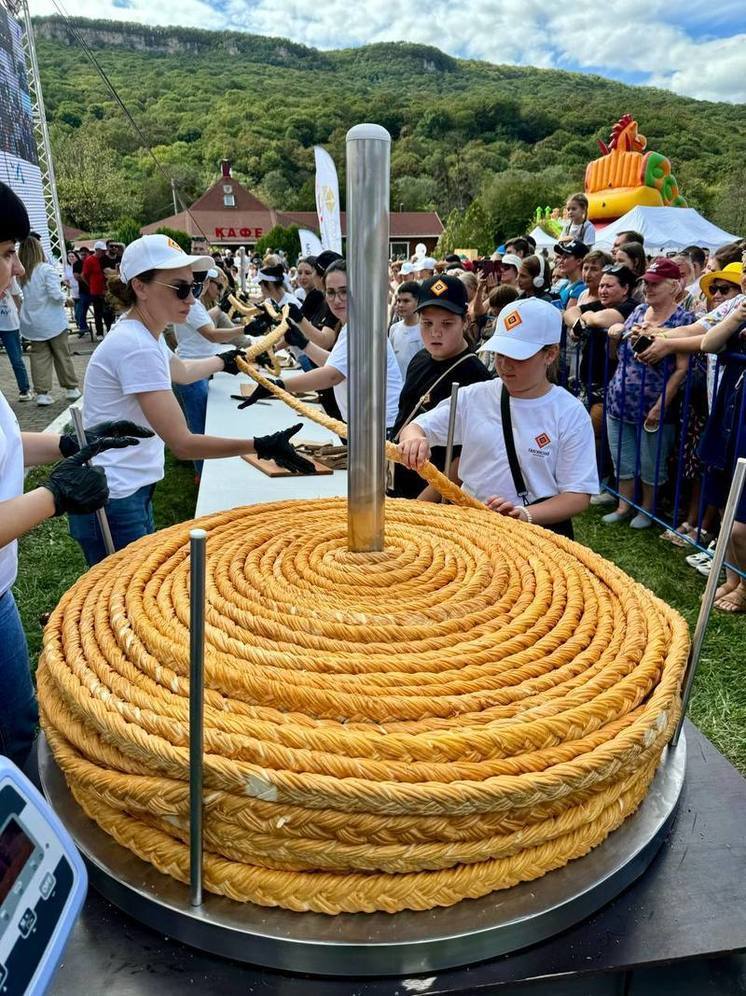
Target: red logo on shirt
[[542, 439]]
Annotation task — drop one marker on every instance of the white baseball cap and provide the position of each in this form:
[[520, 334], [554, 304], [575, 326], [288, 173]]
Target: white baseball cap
[[426, 263], [158, 252], [99, 245], [407, 268], [510, 259], [523, 327]]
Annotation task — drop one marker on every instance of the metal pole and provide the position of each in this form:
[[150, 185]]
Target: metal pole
[[368, 168], [451, 428], [242, 268], [726, 527], [103, 522], [197, 559]]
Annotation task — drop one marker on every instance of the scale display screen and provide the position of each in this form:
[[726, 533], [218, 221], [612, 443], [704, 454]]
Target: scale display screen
[[16, 848]]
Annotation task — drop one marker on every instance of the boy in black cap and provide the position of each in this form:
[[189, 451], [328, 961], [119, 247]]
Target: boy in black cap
[[71, 487], [446, 358]]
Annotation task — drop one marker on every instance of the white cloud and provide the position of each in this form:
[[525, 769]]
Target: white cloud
[[625, 36]]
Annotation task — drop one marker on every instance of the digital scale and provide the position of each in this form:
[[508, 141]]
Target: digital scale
[[43, 883]]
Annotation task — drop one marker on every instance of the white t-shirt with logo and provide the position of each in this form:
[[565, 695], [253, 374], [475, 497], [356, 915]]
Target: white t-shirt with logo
[[406, 342], [338, 359], [190, 344], [129, 361], [11, 485], [553, 439]]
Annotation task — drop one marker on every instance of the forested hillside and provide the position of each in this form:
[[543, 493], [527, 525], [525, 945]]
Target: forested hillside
[[504, 137]]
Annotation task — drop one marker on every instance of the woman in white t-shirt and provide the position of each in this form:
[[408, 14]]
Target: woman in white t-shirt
[[130, 376], [552, 432], [72, 486], [332, 366]]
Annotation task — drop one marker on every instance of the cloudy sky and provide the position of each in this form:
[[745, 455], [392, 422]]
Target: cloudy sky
[[689, 47]]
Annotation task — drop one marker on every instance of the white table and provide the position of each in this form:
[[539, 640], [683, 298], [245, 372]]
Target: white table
[[231, 482]]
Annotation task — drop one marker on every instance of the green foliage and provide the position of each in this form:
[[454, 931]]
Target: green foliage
[[281, 238], [184, 240], [462, 130], [126, 230], [470, 230], [729, 208]]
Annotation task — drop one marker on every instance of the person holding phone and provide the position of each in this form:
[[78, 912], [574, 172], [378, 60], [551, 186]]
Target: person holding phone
[[643, 393]]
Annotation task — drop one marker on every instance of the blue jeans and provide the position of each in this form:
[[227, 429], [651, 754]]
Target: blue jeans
[[82, 304], [12, 342], [193, 400], [18, 713], [129, 518], [625, 459]]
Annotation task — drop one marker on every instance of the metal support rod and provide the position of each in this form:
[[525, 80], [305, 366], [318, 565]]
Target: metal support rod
[[197, 560], [368, 169], [726, 527], [451, 428], [103, 522], [242, 268]]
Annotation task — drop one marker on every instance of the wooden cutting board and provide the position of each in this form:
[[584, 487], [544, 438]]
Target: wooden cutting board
[[270, 468]]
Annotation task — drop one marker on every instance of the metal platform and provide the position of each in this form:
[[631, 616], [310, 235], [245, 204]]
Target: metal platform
[[376, 944]]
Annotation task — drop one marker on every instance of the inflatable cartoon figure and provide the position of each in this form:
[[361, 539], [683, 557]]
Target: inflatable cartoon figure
[[626, 176]]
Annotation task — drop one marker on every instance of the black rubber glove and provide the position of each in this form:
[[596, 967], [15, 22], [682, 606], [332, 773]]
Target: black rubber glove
[[264, 360], [294, 337], [278, 447], [259, 325], [260, 391], [294, 313], [109, 430], [230, 358], [80, 489]]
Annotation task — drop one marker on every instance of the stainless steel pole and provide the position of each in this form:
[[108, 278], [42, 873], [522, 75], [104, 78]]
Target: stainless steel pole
[[726, 527], [368, 169], [103, 522], [451, 428], [197, 560]]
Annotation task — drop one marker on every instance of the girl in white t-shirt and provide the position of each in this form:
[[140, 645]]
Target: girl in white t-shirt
[[551, 429], [130, 376], [577, 225]]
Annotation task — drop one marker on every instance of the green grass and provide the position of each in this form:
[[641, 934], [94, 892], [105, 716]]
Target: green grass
[[51, 561]]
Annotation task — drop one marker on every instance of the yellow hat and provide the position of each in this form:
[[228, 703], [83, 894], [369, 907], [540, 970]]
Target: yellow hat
[[732, 273]]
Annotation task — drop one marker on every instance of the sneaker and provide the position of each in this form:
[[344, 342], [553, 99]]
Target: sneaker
[[613, 517], [603, 499], [72, 394], [44, 399], [706, 569], [26, 396], [641, 521], [702, 557]]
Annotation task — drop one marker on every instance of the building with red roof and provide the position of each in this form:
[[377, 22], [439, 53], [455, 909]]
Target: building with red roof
[[230, 215]]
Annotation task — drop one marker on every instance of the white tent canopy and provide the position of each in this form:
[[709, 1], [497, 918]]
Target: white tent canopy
[[667, 228], [543, 241]]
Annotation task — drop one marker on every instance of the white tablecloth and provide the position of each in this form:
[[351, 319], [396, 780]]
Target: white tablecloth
[[231, 482]]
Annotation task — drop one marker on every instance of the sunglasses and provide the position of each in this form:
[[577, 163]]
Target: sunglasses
[[183, 288], [722, 288]]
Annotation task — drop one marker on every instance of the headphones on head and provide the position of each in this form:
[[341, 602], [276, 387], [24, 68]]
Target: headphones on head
[[539, 281]]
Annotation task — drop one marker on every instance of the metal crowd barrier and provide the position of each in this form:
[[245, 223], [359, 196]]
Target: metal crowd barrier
[[692, 402]]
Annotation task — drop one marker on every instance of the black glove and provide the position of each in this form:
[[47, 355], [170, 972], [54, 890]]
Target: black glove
[[260, 391], [264, 360], [294, 337], [109, 430], [229, 358], [80, 489], [278, 447], [294, 313], [259, 325]]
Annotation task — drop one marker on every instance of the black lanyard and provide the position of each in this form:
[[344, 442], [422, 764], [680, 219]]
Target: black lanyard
[[515, 468]]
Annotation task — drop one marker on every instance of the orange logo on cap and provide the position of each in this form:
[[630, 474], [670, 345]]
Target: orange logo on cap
[[512, 321], [439, 288], [542, 439], [174, 245]]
